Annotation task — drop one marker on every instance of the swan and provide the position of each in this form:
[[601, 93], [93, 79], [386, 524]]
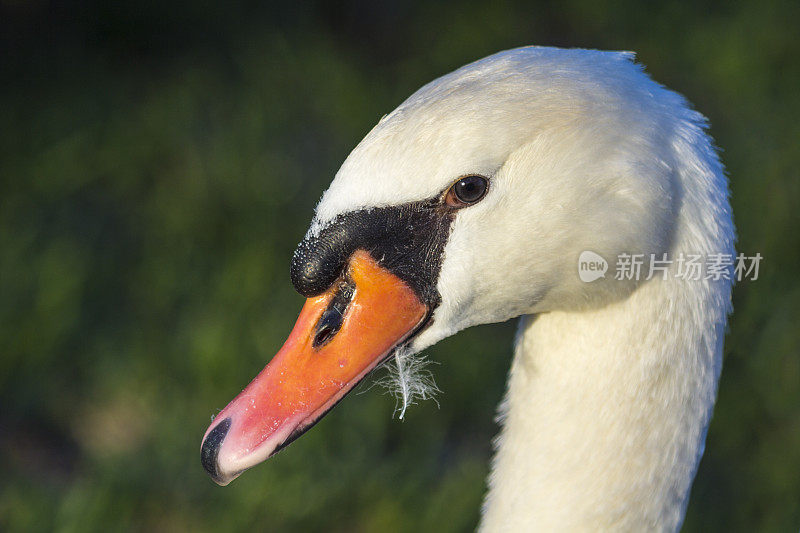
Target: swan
[[472, 203]]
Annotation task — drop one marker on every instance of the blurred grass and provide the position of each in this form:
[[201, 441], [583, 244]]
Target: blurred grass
[[158, 165]]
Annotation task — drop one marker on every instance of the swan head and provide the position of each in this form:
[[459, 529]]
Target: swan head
[[469, 204]]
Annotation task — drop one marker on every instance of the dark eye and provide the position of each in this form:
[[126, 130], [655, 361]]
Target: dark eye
[[466, 191]]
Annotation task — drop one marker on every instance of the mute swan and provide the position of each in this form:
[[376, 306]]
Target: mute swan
[[471, 203]]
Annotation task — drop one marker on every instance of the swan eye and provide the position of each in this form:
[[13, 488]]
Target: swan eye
[[466, 191]]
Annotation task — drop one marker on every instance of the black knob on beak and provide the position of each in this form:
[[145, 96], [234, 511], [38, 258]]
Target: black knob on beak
[[319, 260]]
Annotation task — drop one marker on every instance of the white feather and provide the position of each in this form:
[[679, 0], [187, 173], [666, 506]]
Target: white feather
[[613, 382], [409, 380]]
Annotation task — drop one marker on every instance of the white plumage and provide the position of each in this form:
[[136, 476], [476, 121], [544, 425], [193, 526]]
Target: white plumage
[[613, 382]]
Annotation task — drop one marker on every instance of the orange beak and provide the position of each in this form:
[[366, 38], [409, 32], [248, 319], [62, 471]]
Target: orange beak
[[340, 336]]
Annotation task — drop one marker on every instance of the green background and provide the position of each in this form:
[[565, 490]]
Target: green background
[[158, 165]]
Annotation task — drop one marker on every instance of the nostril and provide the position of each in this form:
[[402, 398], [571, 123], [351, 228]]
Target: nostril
[[210, 449], [329, 325], [331, 320]]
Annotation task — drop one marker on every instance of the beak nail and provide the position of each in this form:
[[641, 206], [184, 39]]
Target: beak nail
[[210, 448]]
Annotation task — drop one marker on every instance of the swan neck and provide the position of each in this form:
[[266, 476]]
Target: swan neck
[[606, 413]]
